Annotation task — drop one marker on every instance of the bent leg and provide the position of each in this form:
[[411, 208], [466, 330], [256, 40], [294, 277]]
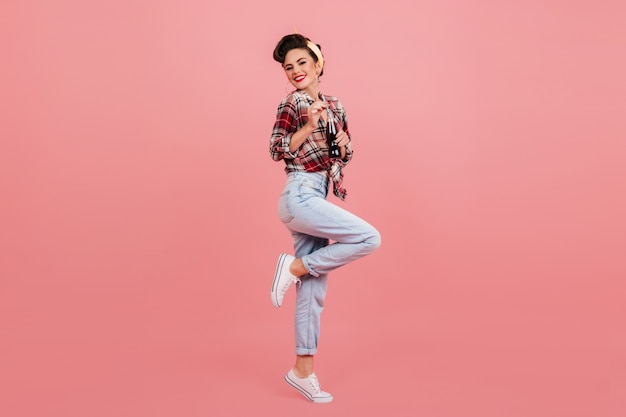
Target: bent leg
[[353, 236]]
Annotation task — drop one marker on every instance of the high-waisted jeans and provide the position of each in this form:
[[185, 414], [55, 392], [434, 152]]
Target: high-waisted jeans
[[314, 222]]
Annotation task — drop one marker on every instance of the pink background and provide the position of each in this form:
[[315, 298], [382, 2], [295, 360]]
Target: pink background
[[138, 208]]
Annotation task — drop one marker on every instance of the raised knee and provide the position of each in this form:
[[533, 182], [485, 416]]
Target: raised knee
[[373, 241]]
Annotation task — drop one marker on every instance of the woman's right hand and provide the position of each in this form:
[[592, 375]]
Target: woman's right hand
[[315, 112]]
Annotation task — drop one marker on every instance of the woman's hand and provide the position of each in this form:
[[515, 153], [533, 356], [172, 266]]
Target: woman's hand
[[342, 139], [315, 112]]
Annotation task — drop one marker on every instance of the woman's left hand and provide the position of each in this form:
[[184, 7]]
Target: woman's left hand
[[342, 138]]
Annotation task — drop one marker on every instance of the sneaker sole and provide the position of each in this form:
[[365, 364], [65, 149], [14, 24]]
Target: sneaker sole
[[306, 394], [279, 269]]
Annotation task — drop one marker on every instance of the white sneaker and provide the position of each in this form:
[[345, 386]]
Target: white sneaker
[[309, 387], [282, 279]]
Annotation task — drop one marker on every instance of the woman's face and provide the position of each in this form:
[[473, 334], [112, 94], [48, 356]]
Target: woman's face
[[301, 69]]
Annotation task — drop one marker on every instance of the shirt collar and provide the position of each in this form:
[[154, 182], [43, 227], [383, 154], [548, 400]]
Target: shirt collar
[[310, 99]]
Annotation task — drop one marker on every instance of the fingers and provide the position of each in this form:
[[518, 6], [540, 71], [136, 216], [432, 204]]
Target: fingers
[[342, 138], [317, 107]]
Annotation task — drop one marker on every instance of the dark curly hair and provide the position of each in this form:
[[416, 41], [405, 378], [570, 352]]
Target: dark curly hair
[[293, 41]]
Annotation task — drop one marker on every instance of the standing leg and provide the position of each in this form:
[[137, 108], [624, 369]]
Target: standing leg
[[310, 296], [309, 306]]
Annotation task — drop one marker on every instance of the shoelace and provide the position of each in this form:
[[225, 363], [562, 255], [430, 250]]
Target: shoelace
[[315, 384], [293, 280]]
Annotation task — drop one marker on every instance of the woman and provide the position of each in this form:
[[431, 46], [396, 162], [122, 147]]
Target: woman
[[306, 124]]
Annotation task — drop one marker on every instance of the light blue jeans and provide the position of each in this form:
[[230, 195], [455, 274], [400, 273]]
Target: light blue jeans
[[314, 222]]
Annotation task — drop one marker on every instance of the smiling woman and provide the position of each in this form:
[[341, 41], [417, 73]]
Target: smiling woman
[[311, 136]]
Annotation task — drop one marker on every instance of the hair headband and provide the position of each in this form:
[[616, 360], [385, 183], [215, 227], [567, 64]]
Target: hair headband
[[313, 47]]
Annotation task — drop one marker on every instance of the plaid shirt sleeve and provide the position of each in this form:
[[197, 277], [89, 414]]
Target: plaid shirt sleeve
[[285, 126]]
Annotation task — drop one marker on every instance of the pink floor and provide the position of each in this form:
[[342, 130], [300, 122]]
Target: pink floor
[[138, 226]]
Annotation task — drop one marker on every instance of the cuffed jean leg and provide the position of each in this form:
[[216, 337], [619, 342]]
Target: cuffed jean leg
[[310, 296]]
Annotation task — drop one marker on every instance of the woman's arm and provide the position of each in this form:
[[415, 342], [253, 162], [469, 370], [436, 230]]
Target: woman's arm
[[298, 138], [280, 142], [314, 112], [284, 143]]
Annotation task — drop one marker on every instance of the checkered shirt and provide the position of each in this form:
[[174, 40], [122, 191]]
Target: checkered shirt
[[312, 155]]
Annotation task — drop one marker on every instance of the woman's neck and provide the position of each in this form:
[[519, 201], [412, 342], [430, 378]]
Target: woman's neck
[[313, 91]]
